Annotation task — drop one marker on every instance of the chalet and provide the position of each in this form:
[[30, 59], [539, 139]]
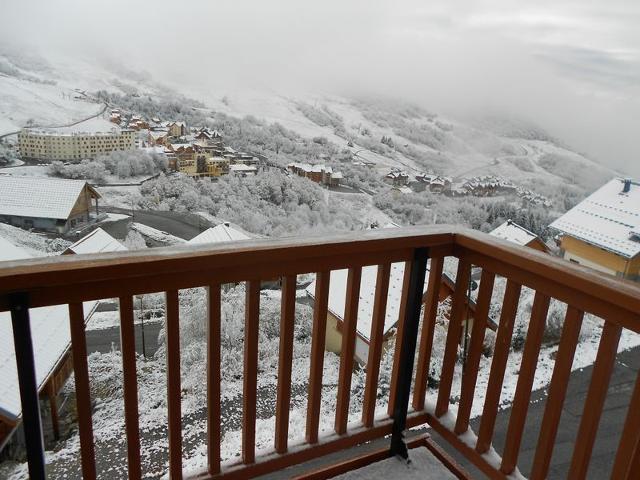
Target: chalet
[[98, 241], [158, 137], [48, 204], [519, 235], [208, 135], [177, 129], [397, 178], [603, 231], [337, 303], [320, 173], [53, 362]]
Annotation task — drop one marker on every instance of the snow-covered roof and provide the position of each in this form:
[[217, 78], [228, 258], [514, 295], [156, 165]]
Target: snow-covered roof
[[220, 233], [50, 336], [97, 241], [241, 167], [338, 289], [513, 232], [606, 219], [39, 197], [403, 189], [178, 146]]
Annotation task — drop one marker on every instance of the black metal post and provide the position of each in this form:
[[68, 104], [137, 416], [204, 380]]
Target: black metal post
[[408, 350], [31, 421]]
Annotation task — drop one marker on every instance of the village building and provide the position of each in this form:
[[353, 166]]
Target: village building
[[49, 204], [158, 137], [242, 170], [178, 129], [603, 231], [397, 178], [223, 232], [337, 304], [53, 362], [519, 235], [98, 241], [60, 145], [319, 173], [207, 135]]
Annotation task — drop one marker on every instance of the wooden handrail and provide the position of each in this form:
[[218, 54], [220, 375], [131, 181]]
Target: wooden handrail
[[74, 279]]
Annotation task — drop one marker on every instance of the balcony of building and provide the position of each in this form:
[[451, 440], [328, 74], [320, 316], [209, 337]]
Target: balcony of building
[[378, 438]]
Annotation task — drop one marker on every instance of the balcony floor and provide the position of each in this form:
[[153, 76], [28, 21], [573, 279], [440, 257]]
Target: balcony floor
[[422, 466], [611, 424]]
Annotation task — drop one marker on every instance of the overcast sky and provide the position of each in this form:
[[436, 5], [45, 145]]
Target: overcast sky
[[571, 66]]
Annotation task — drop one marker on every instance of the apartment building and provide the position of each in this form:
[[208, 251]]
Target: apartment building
[[50, 145]]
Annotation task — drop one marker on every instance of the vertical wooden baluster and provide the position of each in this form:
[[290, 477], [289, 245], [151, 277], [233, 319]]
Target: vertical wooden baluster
[[525, 382], [557, 393], [213, 379], [594, 403], [498, 365], [317, 355], [130, 384], [470, 376], [397, 354], [83, 392], [250, 385], [426, 336], [283, 400], [348, 349], [174, 410], [458, 309], [27, 383], [375, 344], [630, 438]]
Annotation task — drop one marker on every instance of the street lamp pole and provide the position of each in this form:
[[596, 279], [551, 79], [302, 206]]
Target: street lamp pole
[[144, 348]]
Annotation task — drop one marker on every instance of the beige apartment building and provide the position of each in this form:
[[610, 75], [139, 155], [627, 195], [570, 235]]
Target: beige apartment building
[[51, 145]]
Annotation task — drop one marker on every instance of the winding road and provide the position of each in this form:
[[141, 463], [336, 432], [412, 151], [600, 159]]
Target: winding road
[[77, 122]]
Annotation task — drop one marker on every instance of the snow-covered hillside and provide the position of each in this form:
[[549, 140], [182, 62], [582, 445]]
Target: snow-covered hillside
[[422, 140], [55, 91], [59, 91]]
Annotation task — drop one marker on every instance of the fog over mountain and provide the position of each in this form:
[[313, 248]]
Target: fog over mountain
[[571, 67]]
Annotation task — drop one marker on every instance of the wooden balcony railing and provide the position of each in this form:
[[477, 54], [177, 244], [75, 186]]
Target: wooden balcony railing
[[74, 279]]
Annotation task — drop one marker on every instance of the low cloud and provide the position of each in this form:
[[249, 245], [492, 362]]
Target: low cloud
[[572, 68]]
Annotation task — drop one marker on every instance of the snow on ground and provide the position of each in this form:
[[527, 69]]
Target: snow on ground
[[115, 217], [52, 92], [97, 124], [156, 235], [27, 171], [23, 101], [120, 196], [33, 243]]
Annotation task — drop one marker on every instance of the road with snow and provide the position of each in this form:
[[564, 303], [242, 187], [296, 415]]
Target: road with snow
[[77, 122]]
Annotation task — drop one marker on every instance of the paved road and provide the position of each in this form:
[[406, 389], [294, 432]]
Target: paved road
[[104, 340], [611, 424], [183, 225]]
